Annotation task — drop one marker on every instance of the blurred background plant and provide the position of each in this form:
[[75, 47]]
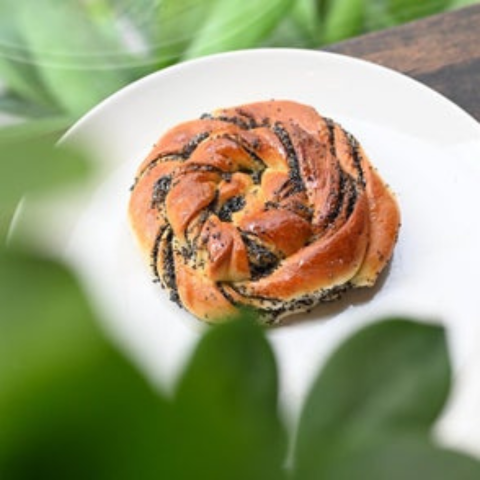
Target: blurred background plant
[[71, 405], [59, 58]]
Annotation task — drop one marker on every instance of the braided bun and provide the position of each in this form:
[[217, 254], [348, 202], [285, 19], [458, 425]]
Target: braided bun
[[267, 205]]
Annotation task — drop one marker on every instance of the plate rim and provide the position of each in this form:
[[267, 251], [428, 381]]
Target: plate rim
[[333, 56]]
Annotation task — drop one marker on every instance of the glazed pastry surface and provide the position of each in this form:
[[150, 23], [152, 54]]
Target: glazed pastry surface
[[267, 205]]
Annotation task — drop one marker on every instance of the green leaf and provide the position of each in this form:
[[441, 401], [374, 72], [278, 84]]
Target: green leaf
[[237, 24], [70, 405], [378, 15], [288, 34], [23, 79], [79, 61], [13, 104], [16, 68], [30, 162], [402, 458], [408, 10], [52, 127], [140, 12], [299, 29], [391, 377], [462, 3], [178, 23], [322, 7], [343, 19], [306, 16], [227, 406], [7, 213]]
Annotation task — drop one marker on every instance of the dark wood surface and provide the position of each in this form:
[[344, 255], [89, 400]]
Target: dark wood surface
[[442, 51]]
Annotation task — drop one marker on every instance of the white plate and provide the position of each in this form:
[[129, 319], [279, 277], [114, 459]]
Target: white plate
[[425, 147]]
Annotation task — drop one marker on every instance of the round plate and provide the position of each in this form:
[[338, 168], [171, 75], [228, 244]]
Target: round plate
[[424, 146]]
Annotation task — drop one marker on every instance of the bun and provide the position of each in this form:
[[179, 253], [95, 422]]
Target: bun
[[267, 205]]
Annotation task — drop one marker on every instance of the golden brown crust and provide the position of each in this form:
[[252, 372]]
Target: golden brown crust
[[267, 205]]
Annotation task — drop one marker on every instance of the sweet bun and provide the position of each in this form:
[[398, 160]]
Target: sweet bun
[[267, 205]]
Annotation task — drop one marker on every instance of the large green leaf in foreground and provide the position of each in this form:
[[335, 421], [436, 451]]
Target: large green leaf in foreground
[[70, 405], [390, 378], [228, 396], [405, 458]]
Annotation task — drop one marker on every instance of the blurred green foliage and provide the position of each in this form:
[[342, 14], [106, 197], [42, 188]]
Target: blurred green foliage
[[29, 164], [61, 58], [33, 165], [387, 381]]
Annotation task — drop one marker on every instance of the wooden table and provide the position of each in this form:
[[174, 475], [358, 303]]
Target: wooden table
[[442, 51]]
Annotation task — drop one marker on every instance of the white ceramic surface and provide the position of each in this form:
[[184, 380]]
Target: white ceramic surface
[[424, 146]]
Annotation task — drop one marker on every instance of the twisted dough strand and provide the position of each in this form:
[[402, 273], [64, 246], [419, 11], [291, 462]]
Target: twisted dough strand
[[268, 205]]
